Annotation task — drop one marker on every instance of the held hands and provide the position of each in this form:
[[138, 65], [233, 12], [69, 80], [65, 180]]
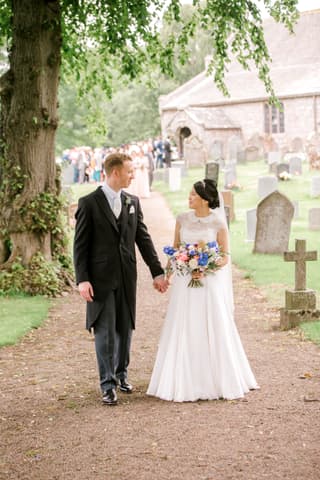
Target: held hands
[[160, 284], [86, 291]]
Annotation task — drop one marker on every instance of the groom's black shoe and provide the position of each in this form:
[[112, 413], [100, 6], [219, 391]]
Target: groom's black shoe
[[125, 386], [109, 397]]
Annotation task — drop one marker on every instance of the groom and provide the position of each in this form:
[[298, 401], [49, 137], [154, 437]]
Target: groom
[[109, 222]]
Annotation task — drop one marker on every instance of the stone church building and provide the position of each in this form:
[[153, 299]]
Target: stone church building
[[207, 126]]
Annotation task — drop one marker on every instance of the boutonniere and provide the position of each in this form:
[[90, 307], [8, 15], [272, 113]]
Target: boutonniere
[[132, 209], [127, 201]]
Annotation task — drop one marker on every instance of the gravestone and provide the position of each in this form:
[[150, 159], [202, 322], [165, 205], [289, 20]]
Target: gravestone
[[280, 168], [300, 303], [252, 153], [212, 171], [180, 164], [230, 175], [67, 174], [295, 166], [274, 157], [216, 152], [194, 151], [241, 156], [297, 144], [229, 202], [234, 147], [267, 185], [174, 179], [315, 187], [314, 218], [251, 217], [274, 215], [296, 209]]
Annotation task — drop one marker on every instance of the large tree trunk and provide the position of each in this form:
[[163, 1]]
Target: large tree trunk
[[28, 124]]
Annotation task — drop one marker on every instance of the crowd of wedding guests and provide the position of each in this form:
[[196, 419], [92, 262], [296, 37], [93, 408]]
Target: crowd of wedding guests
[[146, 155]]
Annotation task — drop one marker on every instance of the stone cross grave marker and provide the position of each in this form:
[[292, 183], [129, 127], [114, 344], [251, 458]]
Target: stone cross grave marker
[[300, 303], [300, 257]]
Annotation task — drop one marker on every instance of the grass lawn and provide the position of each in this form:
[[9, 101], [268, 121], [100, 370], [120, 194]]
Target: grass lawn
[[19, 315], [269, 272]]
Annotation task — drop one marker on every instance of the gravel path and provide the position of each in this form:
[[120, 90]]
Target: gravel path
[[53, 425]]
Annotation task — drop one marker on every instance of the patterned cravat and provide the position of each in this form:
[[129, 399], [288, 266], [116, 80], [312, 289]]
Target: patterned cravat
[[117, 206]]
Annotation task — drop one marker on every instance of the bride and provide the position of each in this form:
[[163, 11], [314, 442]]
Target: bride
[[200, 354]]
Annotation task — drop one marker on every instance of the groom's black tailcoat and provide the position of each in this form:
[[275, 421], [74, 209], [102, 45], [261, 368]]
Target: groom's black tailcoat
[[104, 251]]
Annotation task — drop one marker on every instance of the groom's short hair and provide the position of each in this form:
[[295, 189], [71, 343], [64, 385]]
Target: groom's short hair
[[115, 160]]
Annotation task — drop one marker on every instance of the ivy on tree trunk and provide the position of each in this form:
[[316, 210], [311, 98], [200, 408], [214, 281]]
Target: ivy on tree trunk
[[28, 126]]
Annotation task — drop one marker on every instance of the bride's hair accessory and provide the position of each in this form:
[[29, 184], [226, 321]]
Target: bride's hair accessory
[[207, 189]]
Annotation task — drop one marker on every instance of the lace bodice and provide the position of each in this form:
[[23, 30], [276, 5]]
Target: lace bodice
[[193, 228]]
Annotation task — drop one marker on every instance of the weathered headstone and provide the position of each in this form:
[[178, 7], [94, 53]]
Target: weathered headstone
[[67, 174], [212, 171], [252, 153], [241, 156], [267, 185], [274, 215], [230, 175], [274, 157], [174, 179], [300, 303], [215, 152], [180, 164], [234, 147], [295, 166], [280, 168], [314, 218], [297, 144], [251, 216], [229, 202], [315, 187], [194, 151], [296, 209]]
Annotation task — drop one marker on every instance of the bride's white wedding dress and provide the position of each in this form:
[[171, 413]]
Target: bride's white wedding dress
[[200, 354]]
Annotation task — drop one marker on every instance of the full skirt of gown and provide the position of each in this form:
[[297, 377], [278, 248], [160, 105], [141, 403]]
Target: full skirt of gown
[[200, 354]]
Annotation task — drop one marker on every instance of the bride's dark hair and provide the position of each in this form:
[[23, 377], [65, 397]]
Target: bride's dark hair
[[207, 189]]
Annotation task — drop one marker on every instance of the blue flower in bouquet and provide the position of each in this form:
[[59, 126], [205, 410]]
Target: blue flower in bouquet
[[214, 245], [203, 259], [168, 250]]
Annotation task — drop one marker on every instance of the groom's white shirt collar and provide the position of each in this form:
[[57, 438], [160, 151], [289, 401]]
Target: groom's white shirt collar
[[110, 194]]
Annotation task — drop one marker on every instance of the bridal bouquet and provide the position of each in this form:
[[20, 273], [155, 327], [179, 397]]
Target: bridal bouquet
[[190, 258]]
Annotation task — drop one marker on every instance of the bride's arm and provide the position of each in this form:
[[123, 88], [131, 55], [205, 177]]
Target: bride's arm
[[223, 241], [176, 244], [176, 241]]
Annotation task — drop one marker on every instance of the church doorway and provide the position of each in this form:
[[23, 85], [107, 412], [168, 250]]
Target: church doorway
[[183, 133]]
